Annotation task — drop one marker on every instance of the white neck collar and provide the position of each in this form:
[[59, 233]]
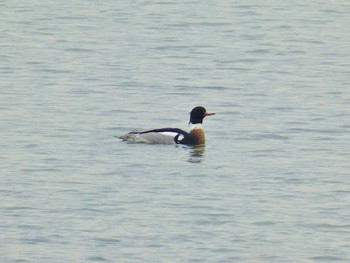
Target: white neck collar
[[196, 126]]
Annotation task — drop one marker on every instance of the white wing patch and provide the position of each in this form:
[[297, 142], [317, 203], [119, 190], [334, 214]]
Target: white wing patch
[[152, 137]]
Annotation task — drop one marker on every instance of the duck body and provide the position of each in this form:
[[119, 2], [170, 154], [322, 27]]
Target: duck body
[[196, 136], [167, 136]]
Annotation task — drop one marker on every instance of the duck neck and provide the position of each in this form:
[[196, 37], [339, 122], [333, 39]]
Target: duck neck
[[196, 126]]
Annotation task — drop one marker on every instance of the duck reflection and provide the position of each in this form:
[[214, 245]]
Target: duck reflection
[[196, 153]]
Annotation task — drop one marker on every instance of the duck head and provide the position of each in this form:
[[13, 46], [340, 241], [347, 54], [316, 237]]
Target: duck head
[[198, 114]]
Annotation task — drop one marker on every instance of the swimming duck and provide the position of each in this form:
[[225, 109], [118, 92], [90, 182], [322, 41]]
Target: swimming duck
[[196, 135]]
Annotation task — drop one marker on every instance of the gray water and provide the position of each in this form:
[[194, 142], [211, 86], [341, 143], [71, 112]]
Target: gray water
[[272, 183]]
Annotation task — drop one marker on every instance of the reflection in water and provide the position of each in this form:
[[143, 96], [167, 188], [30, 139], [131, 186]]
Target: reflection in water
[[196, 153]]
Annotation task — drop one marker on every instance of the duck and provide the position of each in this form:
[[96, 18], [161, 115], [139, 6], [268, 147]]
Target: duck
[[196, 136]]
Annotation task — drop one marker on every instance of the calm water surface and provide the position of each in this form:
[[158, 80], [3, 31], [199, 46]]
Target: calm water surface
[[272, 183]]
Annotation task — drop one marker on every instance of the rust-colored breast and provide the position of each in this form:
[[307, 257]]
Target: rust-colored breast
[[199, 135]]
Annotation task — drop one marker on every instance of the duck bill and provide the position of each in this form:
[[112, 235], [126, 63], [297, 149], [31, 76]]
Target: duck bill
[[208, 114]]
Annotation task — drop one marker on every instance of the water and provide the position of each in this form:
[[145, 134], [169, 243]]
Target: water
[[272, 183]]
